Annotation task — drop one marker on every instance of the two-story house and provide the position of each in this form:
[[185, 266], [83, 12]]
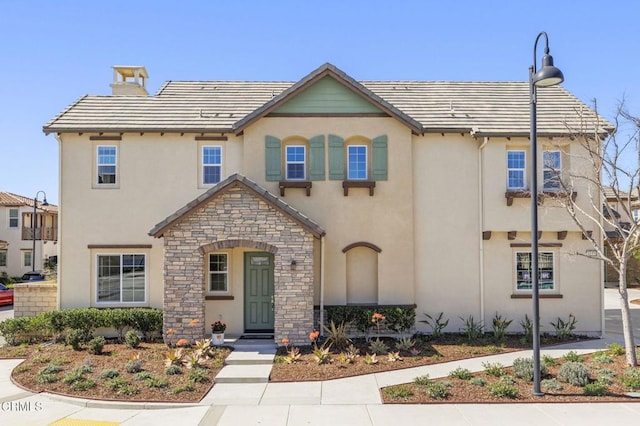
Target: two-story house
[[17, 228], [260, 203]]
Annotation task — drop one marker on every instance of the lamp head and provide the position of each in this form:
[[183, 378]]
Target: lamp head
[[44, 203], [548, 75]]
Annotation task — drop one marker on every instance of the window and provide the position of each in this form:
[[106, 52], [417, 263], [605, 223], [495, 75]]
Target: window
[[121, 278], [107, 165], [357, 162], [546, 271], [552, 165], [636, 214], [26, 258], [3, 258], [516, 171], [211, 164], [218, 272], [13, 218], [295, 158]]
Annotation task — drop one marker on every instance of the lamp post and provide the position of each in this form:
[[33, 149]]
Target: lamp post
[[33, 227], [547, 76]]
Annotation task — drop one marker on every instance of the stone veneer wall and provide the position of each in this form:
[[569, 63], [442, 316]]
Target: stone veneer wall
[[30, 299], [238, 217]]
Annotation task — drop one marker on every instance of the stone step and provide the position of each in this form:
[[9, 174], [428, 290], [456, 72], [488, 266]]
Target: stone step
[[244, 374], [251, 357]]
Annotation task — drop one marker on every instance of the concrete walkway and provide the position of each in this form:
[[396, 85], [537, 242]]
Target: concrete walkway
[[350, 401]]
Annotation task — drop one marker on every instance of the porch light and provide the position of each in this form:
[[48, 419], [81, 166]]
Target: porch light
[[549, 75], [294, 263]]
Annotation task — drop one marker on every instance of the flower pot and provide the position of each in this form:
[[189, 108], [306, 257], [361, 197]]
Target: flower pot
[[217, 338]]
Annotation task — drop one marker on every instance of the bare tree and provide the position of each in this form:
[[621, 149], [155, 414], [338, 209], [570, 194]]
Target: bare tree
[[608, 167]]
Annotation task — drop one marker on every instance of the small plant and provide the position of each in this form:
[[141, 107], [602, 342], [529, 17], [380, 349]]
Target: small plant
[[398, 392], [606, 375], [549, 361], [83, 384], [218, 327], [44, 378], [108, 374], [172, 370], [472, 329], [157, 382], [187, 387], [551, 384], [572, 356], [370, 359], [143, 375], [74, 338], [173, 357], [508, 380], [595, 389], [378, 347], [631, 379], [376, 319], [478, 381], [523, 369], [503, 390], [133, 366], [460, 373], [575, 373], [394, 356], [438, 390], [131, 339], [51, 368], [96, 345], [293, 355], [194, 359], [499, 326], [198, 375], [616, 349], [204, 346], [602, 357], [493, 369], [437, 324], [322, 355], [564, 329], [405, 344], [336, 335], [422, 380], [527, 329]]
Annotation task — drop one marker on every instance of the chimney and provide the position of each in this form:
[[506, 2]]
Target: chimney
[[129, 80]]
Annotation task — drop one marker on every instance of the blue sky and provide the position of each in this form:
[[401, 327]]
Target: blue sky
[[53, 52]]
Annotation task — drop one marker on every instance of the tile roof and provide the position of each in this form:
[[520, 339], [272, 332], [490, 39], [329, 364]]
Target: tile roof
[[13, 200], [483, 108], [221, 187]]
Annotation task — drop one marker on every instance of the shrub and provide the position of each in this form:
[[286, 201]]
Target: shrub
[[398, 392], [595, 389], [405, 344], [478, 381], [422, 380], [51, 369], [631, 379], [336, 335], [499, 326], [108, 374], [143, 375], [400, 319], [574, 373], [119, 319], [564, 329], [460, 373], [173, 370], [572, 356], [96, 345], [133, 366], [83, 384], [549, 361], [602, 357], [523, 368], [437, 324], [378, 347], [551, 384], [616, 349], [503, 390], [493, 369], [198, 375], [472, 329], [438, 390], [44, 378], [606, 375], [527, 329], [187, 387], [132, 339]]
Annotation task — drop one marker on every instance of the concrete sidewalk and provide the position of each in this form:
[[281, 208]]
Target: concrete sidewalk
[[349, 401]]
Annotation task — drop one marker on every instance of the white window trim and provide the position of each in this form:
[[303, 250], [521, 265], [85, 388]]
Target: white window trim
[[558, 170], [228, 273], [98, 164], [523, 169], [146, 280], [24, 256], [5, 252], [555, 272], [303, 162], [203, 165], [366, 164], [9, 218]]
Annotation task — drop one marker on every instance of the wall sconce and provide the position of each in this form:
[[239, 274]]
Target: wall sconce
[[294, 263]]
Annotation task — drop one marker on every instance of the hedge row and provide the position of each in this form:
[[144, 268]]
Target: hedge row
[[398, 318], [56, 324]]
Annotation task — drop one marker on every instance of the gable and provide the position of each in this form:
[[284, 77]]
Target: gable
[[327, 96]]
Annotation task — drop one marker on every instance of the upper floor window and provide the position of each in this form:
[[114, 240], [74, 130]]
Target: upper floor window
[[218, 272], [636, 214], [357, 162], [211, 164], [296, 164], [121, 278], [13, 218], [552, 163], [107, 164], [3, 258], [516, 169], [546, 271]]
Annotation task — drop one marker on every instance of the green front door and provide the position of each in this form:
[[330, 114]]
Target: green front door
[[258, 292]]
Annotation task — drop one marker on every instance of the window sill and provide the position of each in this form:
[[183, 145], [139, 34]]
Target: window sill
[[510, 195], [371, 184], [540, 296], [221, 297], [284, 184]]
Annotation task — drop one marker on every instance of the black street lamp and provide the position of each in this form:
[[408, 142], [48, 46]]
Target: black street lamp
[[547, 76], [33, 227]]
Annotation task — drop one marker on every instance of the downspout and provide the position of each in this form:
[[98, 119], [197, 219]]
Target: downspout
[[58, 268], [481, 224], [322, 285]]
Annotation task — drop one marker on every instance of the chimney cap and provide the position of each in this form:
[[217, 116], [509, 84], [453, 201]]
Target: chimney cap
[[130, 70]]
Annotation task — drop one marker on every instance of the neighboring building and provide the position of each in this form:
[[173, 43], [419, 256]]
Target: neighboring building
[[621, 207], [260, 202], [16, 234]]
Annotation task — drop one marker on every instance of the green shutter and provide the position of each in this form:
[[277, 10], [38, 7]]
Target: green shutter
[[336, 157], [316, 158], [273, 159], [379, 158]]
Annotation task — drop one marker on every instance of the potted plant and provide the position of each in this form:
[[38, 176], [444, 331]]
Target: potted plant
[[217, 333]]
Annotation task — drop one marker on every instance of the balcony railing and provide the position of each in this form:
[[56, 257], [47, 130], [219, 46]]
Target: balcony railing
[[42, 233]]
